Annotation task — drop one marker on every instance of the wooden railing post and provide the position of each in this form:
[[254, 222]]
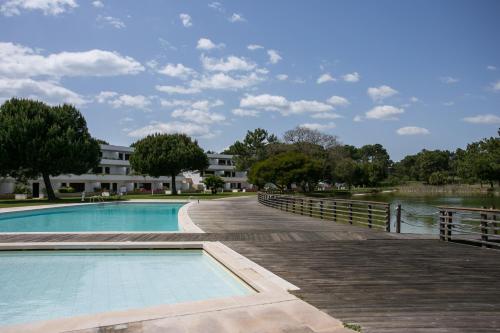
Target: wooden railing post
[[301, 206], [310, 207], [334, 211], [388, 218], [350, 213], [370, 221], [398, 219], [484, 228], [321, 209]]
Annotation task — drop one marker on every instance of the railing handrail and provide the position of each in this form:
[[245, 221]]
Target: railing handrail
[[381, 203], [470, 209]]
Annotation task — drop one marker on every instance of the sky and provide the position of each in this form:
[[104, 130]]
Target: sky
[[406, 74]]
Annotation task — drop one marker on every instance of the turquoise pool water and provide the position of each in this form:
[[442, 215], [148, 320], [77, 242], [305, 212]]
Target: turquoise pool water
[[42, 285], [99, 217]]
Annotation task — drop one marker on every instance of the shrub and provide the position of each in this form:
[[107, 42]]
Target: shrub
[[68, 189], [22, 189]]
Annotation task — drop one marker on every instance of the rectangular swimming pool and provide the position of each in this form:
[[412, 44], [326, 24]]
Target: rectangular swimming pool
[[47, 284], [98, 217]]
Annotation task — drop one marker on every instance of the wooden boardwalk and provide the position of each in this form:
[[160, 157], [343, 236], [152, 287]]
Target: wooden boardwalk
[[384, 282]]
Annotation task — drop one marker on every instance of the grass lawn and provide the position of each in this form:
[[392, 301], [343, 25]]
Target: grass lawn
[[33, 202]]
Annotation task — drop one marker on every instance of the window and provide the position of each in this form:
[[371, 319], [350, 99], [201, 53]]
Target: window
[[120, 156], [127, 171], [127, 157], [107, 170]]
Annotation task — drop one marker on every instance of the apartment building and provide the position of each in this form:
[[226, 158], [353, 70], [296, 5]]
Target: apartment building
[[223, 165], [113, 173]]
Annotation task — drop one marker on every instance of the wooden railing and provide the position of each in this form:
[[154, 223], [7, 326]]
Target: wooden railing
[[369, 213], [479, 226]]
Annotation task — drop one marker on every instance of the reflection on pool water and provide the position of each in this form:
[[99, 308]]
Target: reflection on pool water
[[41, 285], [98, 217]]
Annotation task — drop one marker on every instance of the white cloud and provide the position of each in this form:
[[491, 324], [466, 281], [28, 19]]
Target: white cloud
[[175, 103], [48, 91], [198, 116], [236, 18], [48, 7], [318, 127], [203, 105], [253, 47], [282, 77], [112, 21], [281, 104], [191, 129], [449, 79], [217, 6], [326, 115], [412, 130], [186, 20], [384, 112], [451, 103], [231, 63], [178, 90], [325, 78], [177, 70], [124, 101], [357, 118], [245, 113], [206, 105], [491, 68], [483, 119], [222, 81], [97, 4], [338, 101], [414, 99], [304, 106], [351, 77], [207, 44], [274, 56], [378, 94], [496, 86], [21, 61]]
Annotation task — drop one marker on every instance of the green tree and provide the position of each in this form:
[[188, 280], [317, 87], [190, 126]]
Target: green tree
[[167, 155], [347, 171], [286, 169], [39, 140], [481, 161], [213, 183], [376, 161], [252, 149]]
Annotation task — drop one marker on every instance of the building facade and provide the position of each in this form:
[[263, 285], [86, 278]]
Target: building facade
[[223, 165], [113, 174]]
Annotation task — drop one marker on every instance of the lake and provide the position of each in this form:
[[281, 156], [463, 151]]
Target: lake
[[419, 213]]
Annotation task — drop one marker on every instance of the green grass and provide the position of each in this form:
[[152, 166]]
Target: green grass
[[353, 327], [7, 203]]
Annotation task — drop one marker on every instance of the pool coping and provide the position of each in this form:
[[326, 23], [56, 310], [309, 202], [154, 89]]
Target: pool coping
[[186, 225], [269, 287]]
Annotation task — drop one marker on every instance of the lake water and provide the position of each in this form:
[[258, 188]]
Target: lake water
[[419, 213]]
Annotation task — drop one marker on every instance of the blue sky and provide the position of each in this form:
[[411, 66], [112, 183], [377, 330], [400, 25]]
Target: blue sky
[[406, 74]]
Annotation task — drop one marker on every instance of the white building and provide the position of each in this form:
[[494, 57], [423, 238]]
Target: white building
[[223, 165], [114, 173]]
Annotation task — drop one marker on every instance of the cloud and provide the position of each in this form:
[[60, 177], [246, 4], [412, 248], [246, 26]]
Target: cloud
[[207, 44], [203, 105], [124, 101], [412, 130], [231, 63], [357, 118], [338, 101], [222, 81], [282, 77], [378, 94], [326, 115], [198, 116], [178, 71], [191, 129], [450, 103], [281, 104], [112, 21], [245, 113], [48, 7], [414, 99], [384, 112], [274, 56], [97, 4], [21, 61], [237, 18], [253, 47], [217, 6], [318, 127], [48, 91], [496, 86], [177, 90], [325, 78], [448, 79], [186, 20], [352, 77], [483, 119]]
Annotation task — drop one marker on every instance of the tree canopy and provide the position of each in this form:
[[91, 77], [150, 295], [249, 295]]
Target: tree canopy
[[213, 183], [40, 140], [167, 155]]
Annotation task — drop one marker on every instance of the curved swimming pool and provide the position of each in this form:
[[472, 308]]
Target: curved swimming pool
[[106, 217]]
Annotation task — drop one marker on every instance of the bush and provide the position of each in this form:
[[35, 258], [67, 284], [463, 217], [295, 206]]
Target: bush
[[22, 189], [438, 178], [68, 189]]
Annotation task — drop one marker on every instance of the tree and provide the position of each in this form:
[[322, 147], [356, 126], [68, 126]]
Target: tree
[[285, 169], [303, 135], [252, 149], [39, 140], [346, 171], [167, 154], [213, 183], [102, 142]]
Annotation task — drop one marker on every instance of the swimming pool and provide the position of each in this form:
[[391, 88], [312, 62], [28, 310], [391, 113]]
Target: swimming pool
[[42, 285], [98, 217]]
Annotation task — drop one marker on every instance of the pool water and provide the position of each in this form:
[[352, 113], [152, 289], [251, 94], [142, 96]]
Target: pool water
[[42, 285], [98, 217]]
